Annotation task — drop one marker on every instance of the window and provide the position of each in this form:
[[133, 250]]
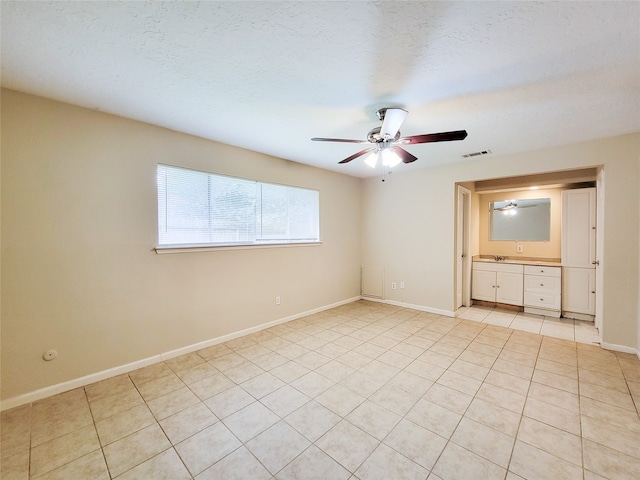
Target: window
[[202, 209]]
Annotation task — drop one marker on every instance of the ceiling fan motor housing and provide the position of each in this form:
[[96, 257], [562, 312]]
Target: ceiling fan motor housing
[[374, 136]]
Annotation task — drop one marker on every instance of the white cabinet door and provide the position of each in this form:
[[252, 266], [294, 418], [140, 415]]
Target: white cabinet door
[[483, 286], [579, 228], [509, 288], [578, 290]]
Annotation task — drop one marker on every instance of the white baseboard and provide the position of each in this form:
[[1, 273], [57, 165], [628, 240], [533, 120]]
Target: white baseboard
[[422, 308], [130, 367], [620, 348]]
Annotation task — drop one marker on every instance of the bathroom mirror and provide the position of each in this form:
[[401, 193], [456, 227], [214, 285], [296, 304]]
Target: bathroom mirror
[[523, 220]]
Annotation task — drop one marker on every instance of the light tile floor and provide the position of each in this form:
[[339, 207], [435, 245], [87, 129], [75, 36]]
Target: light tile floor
[[362, 391], [566, 328]]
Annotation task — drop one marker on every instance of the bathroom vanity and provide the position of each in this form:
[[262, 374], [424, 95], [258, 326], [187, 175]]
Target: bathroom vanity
[[534, 284]]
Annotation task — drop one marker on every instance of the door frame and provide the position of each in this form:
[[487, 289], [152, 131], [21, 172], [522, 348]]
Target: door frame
[[599, 324], [463, 248]]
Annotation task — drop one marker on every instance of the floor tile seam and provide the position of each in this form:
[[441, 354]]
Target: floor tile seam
[[549, 424], [95, 429], [617, 390], [311, 444], [381, 442], [600, 442], [586, 414], [67, 463], [581, 467], [552, 373], [30, 455], [580, 423], [193, 475], [104, 445], [218, 420], [610, 403], [156, 396], [481, 455], [170, 447], [449, 440], [490, 368], [636, 403], [517, 430], [335, 459], [419, 426], [32, 427]]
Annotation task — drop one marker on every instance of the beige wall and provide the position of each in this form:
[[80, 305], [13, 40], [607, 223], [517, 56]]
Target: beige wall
[[79, 222], [550, 249], [408, 225]]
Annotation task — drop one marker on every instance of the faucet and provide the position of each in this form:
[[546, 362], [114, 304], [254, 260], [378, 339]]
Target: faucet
[[498, 258]]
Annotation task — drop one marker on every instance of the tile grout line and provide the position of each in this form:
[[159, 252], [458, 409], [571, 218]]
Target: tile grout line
[[394, 327], [466, 409]]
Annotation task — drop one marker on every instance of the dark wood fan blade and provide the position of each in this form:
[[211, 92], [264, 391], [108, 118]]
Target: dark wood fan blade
[[434, 137], [356, 155], [404, 155], [343, 140]]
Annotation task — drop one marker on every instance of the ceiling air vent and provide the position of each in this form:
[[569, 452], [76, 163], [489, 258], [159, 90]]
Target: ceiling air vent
[[476, 154]]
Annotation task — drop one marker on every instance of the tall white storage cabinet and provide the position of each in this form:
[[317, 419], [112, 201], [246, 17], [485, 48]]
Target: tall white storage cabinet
[[579, 253]]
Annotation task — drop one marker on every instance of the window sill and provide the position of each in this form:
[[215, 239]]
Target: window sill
[[163, 250]]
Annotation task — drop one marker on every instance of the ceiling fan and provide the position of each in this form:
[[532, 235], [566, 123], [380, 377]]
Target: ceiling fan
[[511, 205], [386, 140]]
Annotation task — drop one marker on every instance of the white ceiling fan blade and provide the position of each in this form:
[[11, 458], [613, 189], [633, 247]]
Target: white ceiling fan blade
[[393, 118]]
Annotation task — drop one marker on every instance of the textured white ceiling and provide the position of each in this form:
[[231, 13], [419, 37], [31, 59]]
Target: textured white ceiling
[[268, 76]]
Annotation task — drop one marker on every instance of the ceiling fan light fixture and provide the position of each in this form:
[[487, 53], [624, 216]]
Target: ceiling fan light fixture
[[372, 159], [389, 158]]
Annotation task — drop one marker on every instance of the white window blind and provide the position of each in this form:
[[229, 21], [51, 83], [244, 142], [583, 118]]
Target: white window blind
[[199, 209]]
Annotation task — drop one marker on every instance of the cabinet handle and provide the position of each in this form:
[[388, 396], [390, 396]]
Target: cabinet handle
[[596, 262], [593, 291], [542, 299], [542, 284]]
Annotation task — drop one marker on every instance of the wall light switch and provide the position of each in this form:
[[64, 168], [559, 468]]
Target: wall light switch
[[519, 248]]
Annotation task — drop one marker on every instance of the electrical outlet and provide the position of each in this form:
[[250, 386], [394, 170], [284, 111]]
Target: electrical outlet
[[278, 300], [393, 285], [401, 284], [519, 248]]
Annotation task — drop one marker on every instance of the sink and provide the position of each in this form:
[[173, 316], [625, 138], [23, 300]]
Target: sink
[[517, 260]]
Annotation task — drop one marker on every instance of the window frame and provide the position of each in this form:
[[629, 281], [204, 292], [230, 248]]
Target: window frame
[[161, 248]]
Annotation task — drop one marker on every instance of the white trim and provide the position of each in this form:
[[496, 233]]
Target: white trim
[[129, 367], [463, 222], [620, 348], [421, 308], [163, 250], [76, 383]]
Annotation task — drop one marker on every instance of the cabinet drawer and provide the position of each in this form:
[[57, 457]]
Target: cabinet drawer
[[546, 271], [540, 283], [542, 300], [498, 267]]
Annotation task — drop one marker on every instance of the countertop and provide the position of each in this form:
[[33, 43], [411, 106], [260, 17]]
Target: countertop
[[543, 262]]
